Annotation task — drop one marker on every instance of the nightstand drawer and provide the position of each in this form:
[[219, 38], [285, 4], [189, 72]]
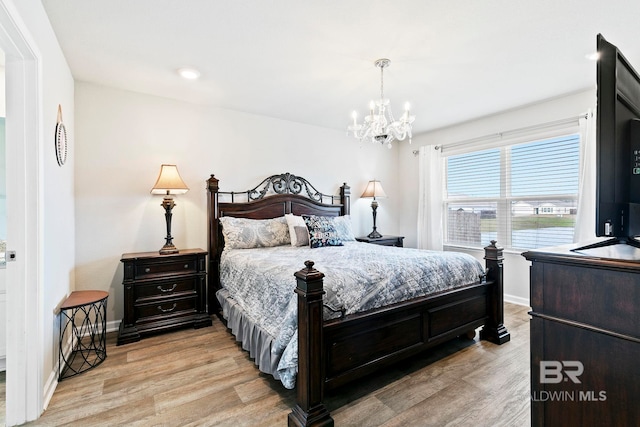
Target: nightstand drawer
[[150, 269], [165, 308], [166, 289]]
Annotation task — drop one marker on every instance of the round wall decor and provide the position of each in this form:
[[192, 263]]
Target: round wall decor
[[61, 139]]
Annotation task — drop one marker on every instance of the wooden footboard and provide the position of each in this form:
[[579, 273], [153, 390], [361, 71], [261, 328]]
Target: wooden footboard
[[338, 351]]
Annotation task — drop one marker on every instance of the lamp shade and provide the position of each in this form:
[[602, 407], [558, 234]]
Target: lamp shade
[[374, 190], [169, 181]]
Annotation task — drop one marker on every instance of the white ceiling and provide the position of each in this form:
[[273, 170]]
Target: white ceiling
[[312, 61]]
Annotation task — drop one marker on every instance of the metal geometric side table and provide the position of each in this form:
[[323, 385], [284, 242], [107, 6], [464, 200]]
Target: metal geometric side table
[[83, 326]]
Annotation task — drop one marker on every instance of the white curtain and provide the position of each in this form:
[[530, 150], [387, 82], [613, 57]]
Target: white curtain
[[585, 228], [430, 201]]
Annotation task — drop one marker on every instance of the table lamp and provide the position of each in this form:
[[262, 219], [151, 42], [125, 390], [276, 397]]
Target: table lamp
[[168, 184], [373, 190]]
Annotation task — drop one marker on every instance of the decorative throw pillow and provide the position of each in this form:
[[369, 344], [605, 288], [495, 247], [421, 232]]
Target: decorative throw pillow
[[302, 235], [321, 231], [244, 233], [343, 227], [296, 221]]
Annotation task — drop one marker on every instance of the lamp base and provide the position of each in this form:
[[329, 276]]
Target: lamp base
[[374, 235], [168, 249]]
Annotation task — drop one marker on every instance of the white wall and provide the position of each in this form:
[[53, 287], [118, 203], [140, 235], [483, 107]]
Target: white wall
[[123, 137], [516, 267]]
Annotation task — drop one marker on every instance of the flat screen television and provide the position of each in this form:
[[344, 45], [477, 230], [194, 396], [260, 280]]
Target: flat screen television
[[617, 155], [617, 144]]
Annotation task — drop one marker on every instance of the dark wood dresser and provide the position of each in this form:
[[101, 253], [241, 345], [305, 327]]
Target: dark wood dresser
[[163, 292], [585, 339]]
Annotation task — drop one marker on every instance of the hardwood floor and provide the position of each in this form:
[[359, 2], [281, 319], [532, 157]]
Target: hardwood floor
[[202, 377]]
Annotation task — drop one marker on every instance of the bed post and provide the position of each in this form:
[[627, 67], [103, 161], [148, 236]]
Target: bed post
[[345, 198], [213, 275], [309, 409], [494, 329]]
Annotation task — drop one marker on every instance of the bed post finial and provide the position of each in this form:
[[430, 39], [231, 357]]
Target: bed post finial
[[494, 329], [309, 409], [212, 184]]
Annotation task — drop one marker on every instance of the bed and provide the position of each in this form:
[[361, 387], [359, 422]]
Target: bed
[[329, 330]]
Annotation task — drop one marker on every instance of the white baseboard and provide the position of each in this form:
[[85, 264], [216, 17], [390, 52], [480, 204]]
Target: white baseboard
[[113, 326], [517, 300], [50, 387], [52, 379]]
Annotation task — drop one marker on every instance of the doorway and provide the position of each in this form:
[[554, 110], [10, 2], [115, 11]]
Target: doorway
[[24, 399], [3, 244]]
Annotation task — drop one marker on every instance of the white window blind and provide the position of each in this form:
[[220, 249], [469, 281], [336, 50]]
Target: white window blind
[[524, 195]]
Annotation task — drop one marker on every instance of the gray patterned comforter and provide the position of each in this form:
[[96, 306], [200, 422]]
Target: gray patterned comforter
[[359, 276]]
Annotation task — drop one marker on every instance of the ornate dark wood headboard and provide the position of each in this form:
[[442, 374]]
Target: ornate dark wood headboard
[[274, 197]]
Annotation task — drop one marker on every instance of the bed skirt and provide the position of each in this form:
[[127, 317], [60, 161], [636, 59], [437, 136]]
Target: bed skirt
[[252, 337]]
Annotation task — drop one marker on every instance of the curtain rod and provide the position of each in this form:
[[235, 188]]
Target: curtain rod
[[500, 135]]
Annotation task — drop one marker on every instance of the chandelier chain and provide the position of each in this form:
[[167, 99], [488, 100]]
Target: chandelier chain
[[382, 82]]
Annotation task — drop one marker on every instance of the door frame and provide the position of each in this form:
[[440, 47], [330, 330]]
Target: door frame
[[24, 383]]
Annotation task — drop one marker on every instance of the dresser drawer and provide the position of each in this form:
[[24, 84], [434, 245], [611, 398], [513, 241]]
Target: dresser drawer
[[166, 289], [599, 297], [149, 269], [165, 308]]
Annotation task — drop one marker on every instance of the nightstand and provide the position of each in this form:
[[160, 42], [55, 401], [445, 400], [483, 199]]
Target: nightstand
[[163, 292], [383, 241]]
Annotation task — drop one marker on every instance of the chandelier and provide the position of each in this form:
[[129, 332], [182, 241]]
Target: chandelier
[[380, 126]]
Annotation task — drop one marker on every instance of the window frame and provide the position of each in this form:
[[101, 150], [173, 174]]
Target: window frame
[[505, 200]]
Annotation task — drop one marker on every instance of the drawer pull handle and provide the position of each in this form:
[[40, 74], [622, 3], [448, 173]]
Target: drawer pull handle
[[186, 266], [167, 290], [173, 307], [147, 270]]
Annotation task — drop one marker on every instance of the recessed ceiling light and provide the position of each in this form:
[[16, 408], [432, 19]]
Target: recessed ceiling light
[[189, 73], [593, 56]]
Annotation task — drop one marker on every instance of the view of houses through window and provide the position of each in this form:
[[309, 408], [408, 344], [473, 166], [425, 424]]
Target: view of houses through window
[[524, 195]]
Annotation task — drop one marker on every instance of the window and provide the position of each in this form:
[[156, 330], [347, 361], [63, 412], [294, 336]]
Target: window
[[523, 195]]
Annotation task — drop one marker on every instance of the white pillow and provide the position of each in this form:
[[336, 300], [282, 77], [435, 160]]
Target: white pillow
[[294, 221], [343, 227]]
